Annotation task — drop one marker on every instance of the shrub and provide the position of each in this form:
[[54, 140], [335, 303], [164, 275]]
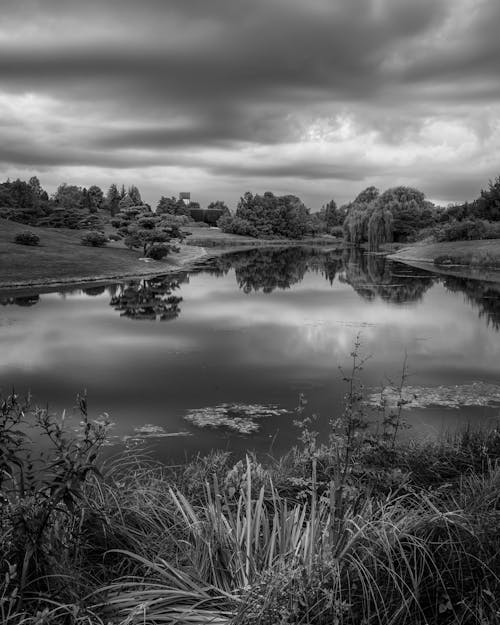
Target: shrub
[[158, 251], [337, 231], [94, 239], [176, 220], [492, 229], [461, 230], [237, 225], [27, 238]]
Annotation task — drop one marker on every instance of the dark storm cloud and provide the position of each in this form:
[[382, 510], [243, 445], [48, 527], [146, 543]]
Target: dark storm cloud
[[161, 82], [301, 170]]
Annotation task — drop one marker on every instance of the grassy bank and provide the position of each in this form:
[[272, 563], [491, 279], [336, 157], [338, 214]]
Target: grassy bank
[[361, 529], [482, 253], [60, 258]]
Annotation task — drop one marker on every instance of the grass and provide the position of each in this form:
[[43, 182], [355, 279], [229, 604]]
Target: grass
[[413, 538], [482, 253], [213, 237], [61, 258]]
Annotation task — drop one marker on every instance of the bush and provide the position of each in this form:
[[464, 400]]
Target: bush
[[237, 225], [176, 220], [27, 238], [492, 229], [94, 239], [337, 231], [461, 230], [159, 251]]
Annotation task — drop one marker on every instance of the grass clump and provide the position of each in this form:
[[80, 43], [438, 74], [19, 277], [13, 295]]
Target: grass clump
[[360, 529]]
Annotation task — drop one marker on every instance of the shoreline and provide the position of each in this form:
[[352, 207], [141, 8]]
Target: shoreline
[[201, 246], [185, 264], [423, 255]]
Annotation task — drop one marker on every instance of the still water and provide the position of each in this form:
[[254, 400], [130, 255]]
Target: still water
[[217, 358]]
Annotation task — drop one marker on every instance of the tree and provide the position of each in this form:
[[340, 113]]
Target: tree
[[357, 216], [134, 195], [332, 215], [219, 205], [356, 223], [96, 198], [170, 206], [367, 196], [410, 211], [113, 199], [126, 202], [147, 231], [380, 228], [69, 196], [268, 215], [488, 204]]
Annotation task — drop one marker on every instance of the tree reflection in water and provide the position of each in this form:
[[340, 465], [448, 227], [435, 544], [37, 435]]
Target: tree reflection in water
[[275, 268], [25, 300], [373, 275], [149, 299], [483, 296], [370, 275]]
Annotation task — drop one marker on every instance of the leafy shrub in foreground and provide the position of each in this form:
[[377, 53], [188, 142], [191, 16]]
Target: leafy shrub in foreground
[[94, 239], [27, 238]]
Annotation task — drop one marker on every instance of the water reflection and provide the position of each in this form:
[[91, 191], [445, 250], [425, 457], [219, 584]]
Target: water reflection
[[25, 300], [372, 277], [483, 296], [150, 299], [275, 323]]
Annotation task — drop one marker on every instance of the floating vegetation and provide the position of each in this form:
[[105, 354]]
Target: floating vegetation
[[149, 431], [241, 418], [475, 394]]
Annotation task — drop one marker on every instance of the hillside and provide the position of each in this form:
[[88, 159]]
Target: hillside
[[61, 258]]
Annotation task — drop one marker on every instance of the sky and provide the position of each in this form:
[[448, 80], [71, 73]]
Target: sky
[[319, 98]]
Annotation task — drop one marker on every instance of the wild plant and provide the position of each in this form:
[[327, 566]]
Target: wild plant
[[41, 492]]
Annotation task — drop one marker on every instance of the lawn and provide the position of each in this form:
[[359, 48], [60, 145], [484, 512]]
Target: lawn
[[61, 258]]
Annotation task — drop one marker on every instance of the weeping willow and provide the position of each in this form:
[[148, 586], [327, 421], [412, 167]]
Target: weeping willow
[[380, 228], [356, 225]]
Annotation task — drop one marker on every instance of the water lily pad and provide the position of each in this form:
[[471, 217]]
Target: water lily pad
[[474, 394], [150, 431], [241, 418]]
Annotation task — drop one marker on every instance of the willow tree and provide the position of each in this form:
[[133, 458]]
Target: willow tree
[[356, 223], [380, 228]]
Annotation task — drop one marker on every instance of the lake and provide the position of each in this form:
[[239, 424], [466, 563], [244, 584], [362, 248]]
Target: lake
[[217, 358]]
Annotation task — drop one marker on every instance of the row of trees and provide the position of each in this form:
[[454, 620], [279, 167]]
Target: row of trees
[[397, 214], [268, 215]]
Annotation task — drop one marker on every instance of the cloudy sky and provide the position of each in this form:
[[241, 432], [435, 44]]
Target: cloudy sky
[[320, 98]]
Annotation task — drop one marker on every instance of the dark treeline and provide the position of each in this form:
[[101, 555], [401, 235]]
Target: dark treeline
[[400, 214]]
